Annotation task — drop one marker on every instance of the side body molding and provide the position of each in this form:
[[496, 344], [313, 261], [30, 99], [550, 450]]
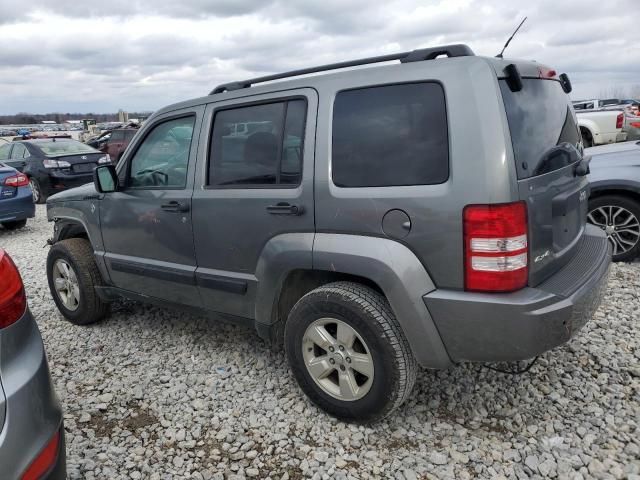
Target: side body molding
[[400, 275]]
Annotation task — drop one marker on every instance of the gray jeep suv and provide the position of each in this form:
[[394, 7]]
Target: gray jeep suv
[[371, 220]]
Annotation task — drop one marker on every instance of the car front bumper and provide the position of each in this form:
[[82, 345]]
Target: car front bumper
[[18, 207], [32, 412], [487, 327]]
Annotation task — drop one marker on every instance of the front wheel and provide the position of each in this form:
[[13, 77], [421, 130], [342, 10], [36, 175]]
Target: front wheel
[[348, 352], [73, 275], [619, 218]]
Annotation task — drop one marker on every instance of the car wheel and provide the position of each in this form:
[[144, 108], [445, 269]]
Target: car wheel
[[619, 218], [348, 352], [73, 275], [38, 196], [587, 138], [15, 224]]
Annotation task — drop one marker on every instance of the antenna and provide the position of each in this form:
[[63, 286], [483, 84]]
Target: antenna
[[511, 38]]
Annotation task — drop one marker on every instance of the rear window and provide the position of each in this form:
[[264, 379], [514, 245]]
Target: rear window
[[52, 149], [390, 135], [543, 128]]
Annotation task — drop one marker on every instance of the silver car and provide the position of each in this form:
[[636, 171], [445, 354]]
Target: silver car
[[31, 431]]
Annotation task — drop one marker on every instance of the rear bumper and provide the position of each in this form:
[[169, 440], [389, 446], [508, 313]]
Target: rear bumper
[[19, 207], [32, 411], [523, 324]]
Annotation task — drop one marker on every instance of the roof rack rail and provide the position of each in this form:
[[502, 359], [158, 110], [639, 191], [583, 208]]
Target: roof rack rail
[[456, 50]]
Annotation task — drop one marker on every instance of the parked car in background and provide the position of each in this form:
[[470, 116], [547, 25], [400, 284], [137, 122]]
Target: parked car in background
[[601, 127], [32, 443], [614, 203], [16, 199], [99, 142], [53, 165], [118, 142], [358, 217]]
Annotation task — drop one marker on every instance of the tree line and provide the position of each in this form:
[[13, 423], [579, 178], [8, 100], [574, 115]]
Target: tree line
[[31, 118]]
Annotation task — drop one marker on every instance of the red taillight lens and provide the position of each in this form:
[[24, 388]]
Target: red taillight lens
[[619, 120], [44, 461], [13, 301], [19, 180], [495, 247], [635, 124]]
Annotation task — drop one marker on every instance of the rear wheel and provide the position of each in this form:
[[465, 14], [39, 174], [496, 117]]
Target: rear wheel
[[36, 190], [15, 224], [73, 275], [587, 138], [348, 352], [619, 218]]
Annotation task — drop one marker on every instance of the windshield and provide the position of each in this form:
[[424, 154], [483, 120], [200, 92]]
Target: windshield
[[543, 127], [60, 148]]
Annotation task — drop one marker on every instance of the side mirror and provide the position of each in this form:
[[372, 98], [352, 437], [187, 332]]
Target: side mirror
[[105, 178]]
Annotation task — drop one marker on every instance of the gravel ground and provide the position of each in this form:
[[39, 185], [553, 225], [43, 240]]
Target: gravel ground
[[152, 393]]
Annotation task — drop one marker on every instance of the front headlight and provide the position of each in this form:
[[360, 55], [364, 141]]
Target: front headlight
[[105, 159]]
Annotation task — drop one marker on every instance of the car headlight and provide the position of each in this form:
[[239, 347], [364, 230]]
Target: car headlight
[[104, 159]]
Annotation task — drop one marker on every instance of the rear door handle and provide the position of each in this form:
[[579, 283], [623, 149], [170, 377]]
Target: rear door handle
[[284, 208], [175, 207]]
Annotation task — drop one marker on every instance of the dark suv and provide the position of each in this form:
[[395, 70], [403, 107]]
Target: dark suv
[[372, 220]]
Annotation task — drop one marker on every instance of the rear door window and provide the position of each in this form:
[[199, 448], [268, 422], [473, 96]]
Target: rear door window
[[4, 151], [544, 133], [258, 145], [391, 135]]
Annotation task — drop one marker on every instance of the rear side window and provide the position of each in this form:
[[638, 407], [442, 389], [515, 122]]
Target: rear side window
[[117, 136], [391, 135], [543, 128], [258, 145]]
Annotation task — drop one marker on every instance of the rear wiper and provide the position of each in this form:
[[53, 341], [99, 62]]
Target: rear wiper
[[582, 167]]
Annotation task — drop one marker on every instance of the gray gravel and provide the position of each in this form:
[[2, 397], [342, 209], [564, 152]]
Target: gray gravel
[[157, 394]]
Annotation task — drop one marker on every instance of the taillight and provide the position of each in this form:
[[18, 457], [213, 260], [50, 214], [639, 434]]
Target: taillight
[[635, 124], [13, 301], [619, 120], [45, 460], [495, 247], [19, 180]]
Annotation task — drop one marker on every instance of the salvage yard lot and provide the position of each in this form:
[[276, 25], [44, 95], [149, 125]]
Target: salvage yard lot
[[154, 393]]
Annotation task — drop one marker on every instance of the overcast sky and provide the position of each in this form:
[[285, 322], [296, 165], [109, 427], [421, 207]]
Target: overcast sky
[[99, 56]]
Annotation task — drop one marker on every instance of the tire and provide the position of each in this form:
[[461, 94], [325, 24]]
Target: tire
[[16, 224], [627, 230], [587, 138], [77, 254], [36, 189], [369, 315]]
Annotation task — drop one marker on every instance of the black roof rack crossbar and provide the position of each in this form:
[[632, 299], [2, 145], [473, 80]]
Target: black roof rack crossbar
[[457, 50]]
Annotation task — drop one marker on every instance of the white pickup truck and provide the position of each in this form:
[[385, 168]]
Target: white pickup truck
[[599, 127]]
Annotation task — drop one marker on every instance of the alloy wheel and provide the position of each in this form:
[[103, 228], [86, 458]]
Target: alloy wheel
[[621, 226], [338, 359], [35, 190], [66, 284]]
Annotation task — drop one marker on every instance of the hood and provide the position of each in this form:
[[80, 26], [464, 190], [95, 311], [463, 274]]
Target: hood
[[626, 154], [74, 194]]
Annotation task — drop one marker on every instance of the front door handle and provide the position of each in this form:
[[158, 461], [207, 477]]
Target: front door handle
[[175, 207], [284, 208]]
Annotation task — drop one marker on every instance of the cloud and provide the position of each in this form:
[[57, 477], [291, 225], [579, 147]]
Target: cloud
[[143, 54]]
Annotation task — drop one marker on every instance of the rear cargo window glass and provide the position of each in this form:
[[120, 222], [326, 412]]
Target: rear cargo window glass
[[391, 135], [543, 128], [65, 147]]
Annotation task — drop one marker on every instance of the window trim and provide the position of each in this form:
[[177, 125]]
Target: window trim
[[148, 131], [263, 186], [393, 84]]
